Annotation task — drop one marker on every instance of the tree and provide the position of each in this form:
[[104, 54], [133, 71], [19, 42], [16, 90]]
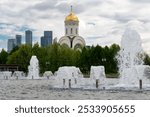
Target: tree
[[147, 59], [3, 57], [14, 50], [54, 56], [21, 57]]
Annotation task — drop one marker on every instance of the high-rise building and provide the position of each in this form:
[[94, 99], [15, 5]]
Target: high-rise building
[[18, 40], [11, 44], [28, 37], [48, 35], [47, 38], [43, 42]]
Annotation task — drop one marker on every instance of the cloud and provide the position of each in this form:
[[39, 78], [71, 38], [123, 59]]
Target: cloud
[[44, 5], [91, 23], [140, 1], [96, 37]]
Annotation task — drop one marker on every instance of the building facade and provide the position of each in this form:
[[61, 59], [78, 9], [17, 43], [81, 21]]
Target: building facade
[[72, 38], [11, 44], [18, 40], [28, 37], [47, 38]]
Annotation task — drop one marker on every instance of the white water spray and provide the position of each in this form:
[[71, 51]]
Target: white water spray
[[33, 68]]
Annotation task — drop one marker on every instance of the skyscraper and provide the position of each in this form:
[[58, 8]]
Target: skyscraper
[[18, 40], [28, 37], [43, 42], [11, 44], [47, 38], [48, 35]]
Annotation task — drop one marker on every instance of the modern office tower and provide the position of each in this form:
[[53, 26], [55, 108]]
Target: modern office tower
[[18, 40], [11, 44], [47, 38], [28, 37], [43, 42], [48, 35]]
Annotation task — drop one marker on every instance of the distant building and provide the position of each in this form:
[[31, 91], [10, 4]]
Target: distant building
[[43, 42], [48, 35], [18, 40], [28, 37], [47, 38], [11, 44]]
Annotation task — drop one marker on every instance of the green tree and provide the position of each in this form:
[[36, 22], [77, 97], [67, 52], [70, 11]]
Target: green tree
[[3, 57], [147, 59], [21, 57], [14, 50]]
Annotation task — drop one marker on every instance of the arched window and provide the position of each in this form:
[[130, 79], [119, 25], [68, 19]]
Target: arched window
[[78, 46], [65, 45], [76, 31]]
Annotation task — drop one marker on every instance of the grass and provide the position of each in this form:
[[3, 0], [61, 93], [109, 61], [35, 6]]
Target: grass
[[112, 75]]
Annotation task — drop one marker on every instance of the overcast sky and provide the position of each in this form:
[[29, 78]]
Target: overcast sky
[[101, 21]]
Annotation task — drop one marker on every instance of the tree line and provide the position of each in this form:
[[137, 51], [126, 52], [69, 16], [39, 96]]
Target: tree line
[[54, 56]]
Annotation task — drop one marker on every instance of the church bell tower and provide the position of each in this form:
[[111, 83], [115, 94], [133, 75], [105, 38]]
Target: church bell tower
[[72, 38]]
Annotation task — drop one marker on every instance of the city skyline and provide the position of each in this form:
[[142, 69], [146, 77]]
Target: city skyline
[[101, 22], [28, 35]]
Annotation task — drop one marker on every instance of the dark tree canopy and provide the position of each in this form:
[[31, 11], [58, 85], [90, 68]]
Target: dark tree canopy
[[55, 56]]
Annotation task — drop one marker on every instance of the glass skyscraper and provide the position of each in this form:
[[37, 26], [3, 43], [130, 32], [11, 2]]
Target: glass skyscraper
[[28, 37], [11, 44], [18, 40], [47, 38]]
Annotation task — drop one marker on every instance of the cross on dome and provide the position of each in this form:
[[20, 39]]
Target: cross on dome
[[71, 16]]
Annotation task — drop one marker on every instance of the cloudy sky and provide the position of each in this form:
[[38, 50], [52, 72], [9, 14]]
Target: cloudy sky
[[101, 21]]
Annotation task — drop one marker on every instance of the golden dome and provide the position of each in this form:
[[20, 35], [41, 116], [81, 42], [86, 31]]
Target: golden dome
[[72, 17]]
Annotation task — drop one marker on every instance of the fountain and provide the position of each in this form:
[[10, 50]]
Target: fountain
[[97, 73], [130, 58], [33, 69], [6, 75], [47, 74], [18, 75], [68, 76]]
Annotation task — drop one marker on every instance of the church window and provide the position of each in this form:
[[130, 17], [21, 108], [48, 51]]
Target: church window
[[71, 30]]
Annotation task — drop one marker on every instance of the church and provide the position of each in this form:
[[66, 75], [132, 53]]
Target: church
[[72, 38]]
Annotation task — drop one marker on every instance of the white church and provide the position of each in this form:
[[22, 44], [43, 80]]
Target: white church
[[72, 38]]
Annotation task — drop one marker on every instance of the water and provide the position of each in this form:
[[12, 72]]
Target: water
[[130, 60], [98, 72], [5, 75], [40, 89], [68, 76], [33, 69]]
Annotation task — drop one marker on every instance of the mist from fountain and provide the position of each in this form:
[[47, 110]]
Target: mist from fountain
[[130, 59], [33, 69], [98, 73], [68, 75]]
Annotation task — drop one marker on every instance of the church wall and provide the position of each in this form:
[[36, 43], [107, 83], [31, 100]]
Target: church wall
[[65, 40], [72, 30], [78, 40]]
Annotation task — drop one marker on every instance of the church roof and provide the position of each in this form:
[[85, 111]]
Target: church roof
[[72, 17]]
